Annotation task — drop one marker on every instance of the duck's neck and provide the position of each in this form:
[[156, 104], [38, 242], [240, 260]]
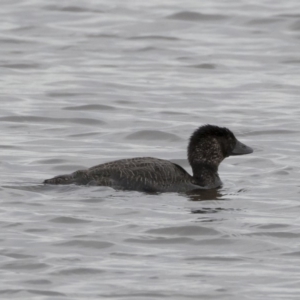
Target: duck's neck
[[206, 174]]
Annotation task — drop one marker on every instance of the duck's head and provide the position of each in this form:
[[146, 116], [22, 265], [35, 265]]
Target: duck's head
[[210, 144]]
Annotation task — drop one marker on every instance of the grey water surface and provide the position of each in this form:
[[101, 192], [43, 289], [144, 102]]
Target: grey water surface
[[86, 82]]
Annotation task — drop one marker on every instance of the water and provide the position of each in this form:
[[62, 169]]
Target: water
[[85, 82]]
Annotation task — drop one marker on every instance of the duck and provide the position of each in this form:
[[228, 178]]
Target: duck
[[208, 146]]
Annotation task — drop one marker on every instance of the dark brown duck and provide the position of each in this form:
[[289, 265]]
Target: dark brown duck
[[207, 148]]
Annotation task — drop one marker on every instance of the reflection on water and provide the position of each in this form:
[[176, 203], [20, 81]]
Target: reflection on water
[[204, 194], [207, 210]]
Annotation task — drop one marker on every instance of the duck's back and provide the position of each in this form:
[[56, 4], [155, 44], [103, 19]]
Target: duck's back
[[140, 174]]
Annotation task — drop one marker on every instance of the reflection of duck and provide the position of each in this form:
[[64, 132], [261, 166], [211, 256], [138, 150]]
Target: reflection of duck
[[205, 194], [208, 146]]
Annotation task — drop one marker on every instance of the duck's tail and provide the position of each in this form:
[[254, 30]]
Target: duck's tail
[[61, 179], [78, 177]]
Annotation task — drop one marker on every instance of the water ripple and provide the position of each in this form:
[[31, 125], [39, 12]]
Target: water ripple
[[196, 17]]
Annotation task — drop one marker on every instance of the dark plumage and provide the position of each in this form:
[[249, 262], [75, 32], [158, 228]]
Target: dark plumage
[[208, 146]]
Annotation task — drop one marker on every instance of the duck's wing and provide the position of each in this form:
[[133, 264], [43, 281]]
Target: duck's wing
[[141, 174]]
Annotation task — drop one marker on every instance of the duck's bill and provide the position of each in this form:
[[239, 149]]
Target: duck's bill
[[241, 149]]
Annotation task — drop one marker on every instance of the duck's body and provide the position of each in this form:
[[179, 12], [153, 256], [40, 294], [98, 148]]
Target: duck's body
[[146, 174], [208, 146]]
